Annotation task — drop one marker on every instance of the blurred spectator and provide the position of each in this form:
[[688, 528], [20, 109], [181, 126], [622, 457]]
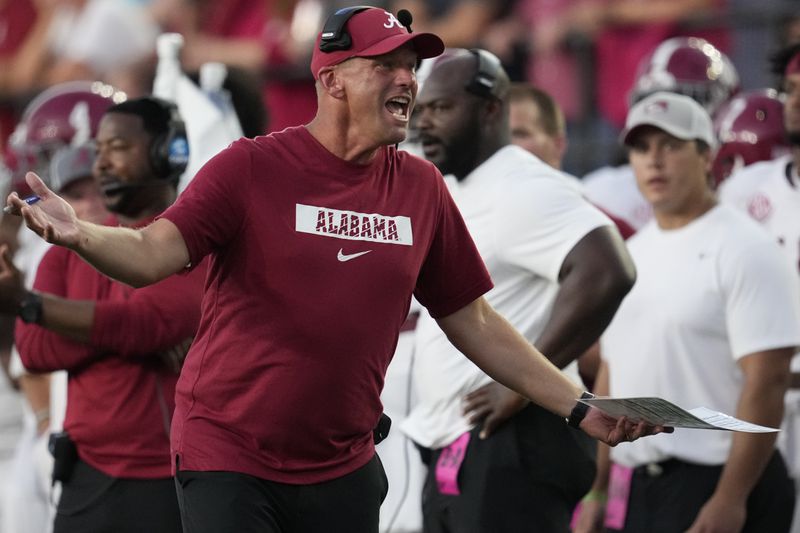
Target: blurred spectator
[[537, 123], [585, 53], [554, 70], [624, 32], [790, 31], [94, 39], [460, 23], [21, 29]]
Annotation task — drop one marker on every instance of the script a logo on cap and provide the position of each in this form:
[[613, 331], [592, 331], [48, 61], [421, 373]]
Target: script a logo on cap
[[659, 106], [392, 22]]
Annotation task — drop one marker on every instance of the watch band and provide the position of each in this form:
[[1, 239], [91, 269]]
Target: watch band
[[30, 309], [579, 411]]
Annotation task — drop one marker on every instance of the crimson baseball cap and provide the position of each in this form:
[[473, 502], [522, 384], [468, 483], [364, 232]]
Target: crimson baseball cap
[[375, 32], [676, 114]]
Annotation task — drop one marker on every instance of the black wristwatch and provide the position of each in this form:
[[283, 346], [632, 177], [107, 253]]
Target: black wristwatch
[[579, 411], [30, 309]]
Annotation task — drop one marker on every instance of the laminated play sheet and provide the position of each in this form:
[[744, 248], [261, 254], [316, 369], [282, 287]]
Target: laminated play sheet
[[658, 411]]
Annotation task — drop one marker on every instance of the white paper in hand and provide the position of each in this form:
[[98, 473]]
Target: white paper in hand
[[658, 411]]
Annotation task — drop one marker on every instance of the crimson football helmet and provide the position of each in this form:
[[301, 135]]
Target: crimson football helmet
[[749, 128], [690, 66], [64, 115]]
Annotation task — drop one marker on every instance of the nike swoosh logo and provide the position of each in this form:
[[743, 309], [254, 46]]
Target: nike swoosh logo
[[347, 257]]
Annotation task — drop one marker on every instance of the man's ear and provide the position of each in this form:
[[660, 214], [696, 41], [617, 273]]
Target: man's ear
[[331, 82], [493, 107]]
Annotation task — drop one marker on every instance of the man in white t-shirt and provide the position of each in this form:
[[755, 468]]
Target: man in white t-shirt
[[683, 65], [712, 321], [560, 270], [769, 192]]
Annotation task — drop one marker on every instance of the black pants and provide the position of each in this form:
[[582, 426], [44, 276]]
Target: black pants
[[230, 502], [667, 498], [92, 502], [528, 476]]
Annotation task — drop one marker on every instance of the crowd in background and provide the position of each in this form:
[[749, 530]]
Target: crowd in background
[[586, 54]]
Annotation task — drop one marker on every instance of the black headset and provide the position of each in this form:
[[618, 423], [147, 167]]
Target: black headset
[[169, 151], [484, 82], [334, 36]]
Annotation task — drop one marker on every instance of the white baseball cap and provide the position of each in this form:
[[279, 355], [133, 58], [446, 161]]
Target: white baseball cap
[[676, 114], [70, 164]]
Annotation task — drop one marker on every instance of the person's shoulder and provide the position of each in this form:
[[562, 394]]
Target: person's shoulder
[[512, 163], [249, 147], [743, 245], [751, 177], [290, 135], [117, 10], [294, 139], [414, 166], [736, 230], [643, 236], [607, 176]]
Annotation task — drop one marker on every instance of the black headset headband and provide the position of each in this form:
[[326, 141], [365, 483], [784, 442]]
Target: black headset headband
[[484, 82], [334, 36]]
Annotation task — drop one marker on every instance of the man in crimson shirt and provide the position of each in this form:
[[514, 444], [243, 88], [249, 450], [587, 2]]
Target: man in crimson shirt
[[112, 339], [317, 238]]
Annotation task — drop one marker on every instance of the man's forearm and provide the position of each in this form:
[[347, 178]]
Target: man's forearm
[[137, 257], [749, 455], [760, 402], [71, 318], [119, 253]]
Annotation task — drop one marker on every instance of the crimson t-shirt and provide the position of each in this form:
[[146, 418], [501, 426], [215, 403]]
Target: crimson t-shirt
[[313, 261]]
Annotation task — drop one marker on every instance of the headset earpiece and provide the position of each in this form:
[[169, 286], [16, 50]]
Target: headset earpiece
[[334, 35], [169, 152], [484, 82]]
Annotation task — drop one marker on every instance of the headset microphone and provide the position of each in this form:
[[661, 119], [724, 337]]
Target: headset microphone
[[404, 17], [112, 189]]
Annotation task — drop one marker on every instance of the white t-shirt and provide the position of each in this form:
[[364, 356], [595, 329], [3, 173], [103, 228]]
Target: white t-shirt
[[524, 217], [615, 190], [706, 295]]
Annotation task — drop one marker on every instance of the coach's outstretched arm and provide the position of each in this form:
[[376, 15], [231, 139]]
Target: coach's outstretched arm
[[484, 336], [136, 257]]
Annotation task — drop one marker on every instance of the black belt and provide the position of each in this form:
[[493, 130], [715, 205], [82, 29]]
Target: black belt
[[663, 468]]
